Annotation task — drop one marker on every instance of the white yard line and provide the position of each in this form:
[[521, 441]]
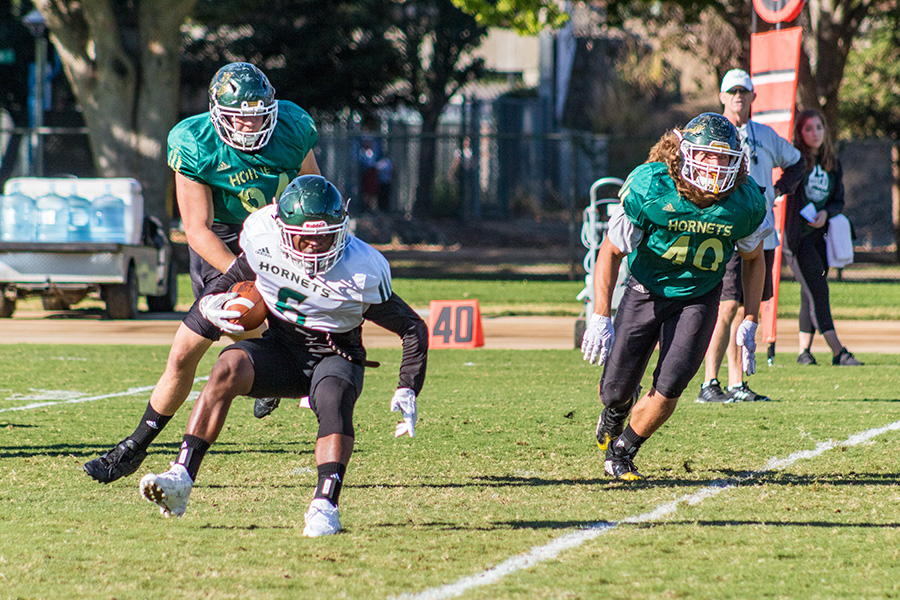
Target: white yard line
[[549, 551], [129, 392]]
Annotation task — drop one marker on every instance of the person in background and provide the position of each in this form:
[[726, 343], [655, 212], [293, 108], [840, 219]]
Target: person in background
[[319, 284], [367, 149], [385, 168], [765, 150], [228, 163], [682, 214], [819, 197]]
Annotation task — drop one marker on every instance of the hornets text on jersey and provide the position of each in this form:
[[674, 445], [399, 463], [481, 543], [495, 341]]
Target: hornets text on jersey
[[333, 301], [685, 249]]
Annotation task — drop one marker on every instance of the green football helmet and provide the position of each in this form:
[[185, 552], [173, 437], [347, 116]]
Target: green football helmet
[[242, 90], [312, 206], [710, 133]]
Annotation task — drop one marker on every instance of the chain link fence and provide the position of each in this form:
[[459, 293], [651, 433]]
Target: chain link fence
[[500, 204]]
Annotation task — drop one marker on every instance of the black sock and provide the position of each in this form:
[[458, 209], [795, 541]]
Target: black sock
[[151, 424], [193, 449], [629, 442], [331, 479]]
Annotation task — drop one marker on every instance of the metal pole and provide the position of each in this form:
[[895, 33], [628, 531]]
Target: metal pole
[[40, 76]]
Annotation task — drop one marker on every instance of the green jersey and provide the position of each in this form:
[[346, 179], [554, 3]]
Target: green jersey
[[684, 249], [242, 182]]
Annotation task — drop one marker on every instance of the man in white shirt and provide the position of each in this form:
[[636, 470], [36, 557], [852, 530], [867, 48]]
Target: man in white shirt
[[766, 150]]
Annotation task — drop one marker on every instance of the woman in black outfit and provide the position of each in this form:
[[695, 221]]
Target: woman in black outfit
[[823, 189]]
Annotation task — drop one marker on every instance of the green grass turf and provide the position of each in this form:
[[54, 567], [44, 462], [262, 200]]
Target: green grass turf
[[504, 461], [849, 299]]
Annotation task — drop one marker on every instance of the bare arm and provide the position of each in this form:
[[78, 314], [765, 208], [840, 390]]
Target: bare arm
[[309, 165], [753, 278], [606, 271], [196, 207]]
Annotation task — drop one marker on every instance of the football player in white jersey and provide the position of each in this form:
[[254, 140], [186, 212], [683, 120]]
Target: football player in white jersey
[[319, 284]]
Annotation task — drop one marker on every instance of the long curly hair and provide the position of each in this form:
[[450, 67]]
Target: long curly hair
[[667, 150], [826, 155]]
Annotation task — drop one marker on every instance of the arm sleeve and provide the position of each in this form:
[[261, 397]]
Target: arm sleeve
[[395, 315], [791, 177], [622, 232], [239, 271], [196, 322], [765, 229], [835, 204]]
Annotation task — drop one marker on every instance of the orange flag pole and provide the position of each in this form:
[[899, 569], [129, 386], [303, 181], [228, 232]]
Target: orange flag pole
[[774, 60]]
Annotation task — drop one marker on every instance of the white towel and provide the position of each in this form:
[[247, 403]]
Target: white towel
[[839, 242]]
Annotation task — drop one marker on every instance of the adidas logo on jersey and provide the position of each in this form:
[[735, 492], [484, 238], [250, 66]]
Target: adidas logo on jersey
[[223, 166], [669, 208], [264, 251]]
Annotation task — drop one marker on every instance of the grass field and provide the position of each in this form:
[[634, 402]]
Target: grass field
[[500, 495], [855, 300]]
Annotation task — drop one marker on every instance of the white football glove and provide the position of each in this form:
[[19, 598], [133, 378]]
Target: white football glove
[[598, 339], [746, 339], [404, 400], [211, 308]]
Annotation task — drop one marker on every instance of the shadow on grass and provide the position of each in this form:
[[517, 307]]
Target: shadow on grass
[[93, 450], [754, 523], [729, 478]]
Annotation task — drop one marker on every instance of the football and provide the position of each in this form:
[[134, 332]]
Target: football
[[249, 303]]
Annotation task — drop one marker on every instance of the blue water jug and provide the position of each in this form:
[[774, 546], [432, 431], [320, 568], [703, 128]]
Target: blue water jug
[[108, 219], [17, 218], [52, 223], [79, 219]]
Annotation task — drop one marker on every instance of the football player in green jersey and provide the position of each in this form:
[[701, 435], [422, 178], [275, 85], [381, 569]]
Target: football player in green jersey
[[228, 163], [682, 214]]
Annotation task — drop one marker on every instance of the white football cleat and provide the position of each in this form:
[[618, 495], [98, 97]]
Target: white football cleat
[[170, 490], [322, 518]]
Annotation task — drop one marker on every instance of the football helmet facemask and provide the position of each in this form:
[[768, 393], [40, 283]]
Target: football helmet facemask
[[710, 133], [312, 206], [242, 90]]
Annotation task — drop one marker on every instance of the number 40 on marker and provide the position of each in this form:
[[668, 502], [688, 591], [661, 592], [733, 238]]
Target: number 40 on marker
[[454, 324]]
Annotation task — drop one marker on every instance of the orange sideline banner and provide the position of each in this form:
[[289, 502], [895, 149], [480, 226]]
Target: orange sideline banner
[[774, 60]]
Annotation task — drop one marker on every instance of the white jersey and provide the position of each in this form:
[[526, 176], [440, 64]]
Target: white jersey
[[333, 301], [766, 151]]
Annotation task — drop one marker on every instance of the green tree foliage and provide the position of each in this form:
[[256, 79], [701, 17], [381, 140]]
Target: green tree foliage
[[870, 98], [15, 38], [326, 56], [528, 17], [435, 40], [122, 61]]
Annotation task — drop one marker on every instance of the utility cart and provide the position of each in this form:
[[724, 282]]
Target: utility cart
[[66, 238]]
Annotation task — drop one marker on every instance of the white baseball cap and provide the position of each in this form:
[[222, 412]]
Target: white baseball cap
[[736, 78]]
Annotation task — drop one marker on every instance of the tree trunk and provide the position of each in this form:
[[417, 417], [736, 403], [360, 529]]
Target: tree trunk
[[895, 195], [123, 65], [427, 155]]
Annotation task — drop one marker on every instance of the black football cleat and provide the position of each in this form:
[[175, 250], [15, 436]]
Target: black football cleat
[[263, 407], [611, 423], [121, 461], [622, 468], [620, 463]]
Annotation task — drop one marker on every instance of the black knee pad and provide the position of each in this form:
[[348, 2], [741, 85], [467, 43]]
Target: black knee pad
[[332, 400]]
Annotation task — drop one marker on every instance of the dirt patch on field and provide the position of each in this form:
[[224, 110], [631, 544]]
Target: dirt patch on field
[[89, 327]]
